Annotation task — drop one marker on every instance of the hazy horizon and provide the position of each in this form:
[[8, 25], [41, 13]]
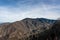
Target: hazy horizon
[[14, 10]]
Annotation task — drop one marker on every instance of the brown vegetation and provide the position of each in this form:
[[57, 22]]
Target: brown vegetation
[[30, 29]]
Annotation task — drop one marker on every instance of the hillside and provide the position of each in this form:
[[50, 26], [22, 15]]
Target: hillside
[[26, 29]]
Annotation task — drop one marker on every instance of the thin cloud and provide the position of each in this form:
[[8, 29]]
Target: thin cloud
[[14, 14], [29, 8]]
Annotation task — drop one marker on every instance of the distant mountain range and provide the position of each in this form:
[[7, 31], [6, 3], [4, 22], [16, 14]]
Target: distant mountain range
[[21, 30]]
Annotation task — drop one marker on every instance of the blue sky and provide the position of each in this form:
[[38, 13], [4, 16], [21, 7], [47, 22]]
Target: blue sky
[[15, 10]]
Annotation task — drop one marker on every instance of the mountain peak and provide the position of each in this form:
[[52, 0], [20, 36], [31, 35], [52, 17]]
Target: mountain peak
[[41, 20], [24, 28]]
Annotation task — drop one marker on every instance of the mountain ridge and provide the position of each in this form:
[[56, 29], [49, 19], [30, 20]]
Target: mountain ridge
[[24, 28]]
